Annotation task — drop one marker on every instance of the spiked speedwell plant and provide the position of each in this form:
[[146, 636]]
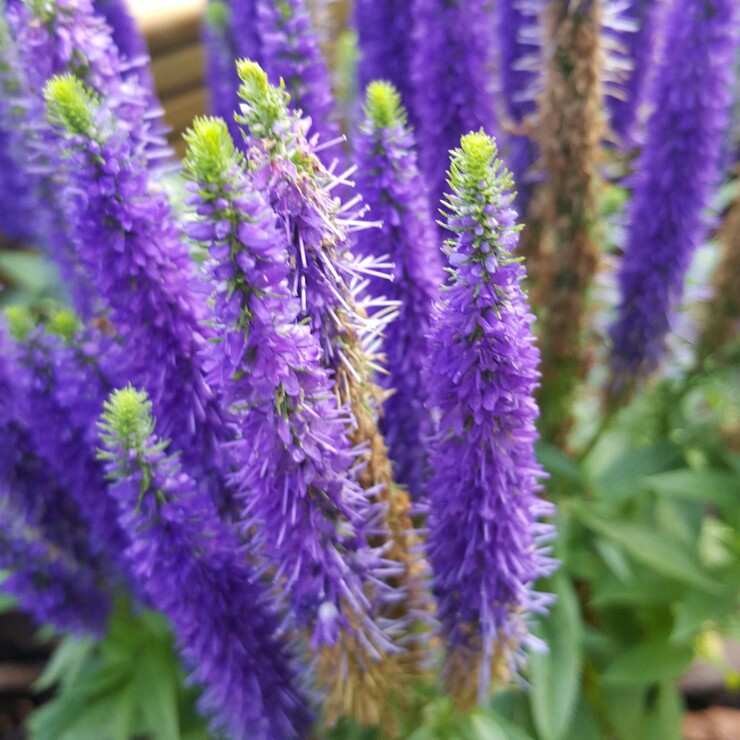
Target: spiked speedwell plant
[[271, 461]]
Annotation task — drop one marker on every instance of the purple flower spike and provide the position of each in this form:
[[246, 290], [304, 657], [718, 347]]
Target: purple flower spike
[[64, 393], [127, 239], [630, 41], [691, 92], [391, 185], [43, 542], [327, 278], [69, 37], [290, 51], [28, 211], [126, 34], [192, 569], [451, 70], [229, 33], [486, 545], [17, 222], [520, 42], [48, 583], [329, 282], [27, 480], [302, 505], [385, 52], [222, 81]]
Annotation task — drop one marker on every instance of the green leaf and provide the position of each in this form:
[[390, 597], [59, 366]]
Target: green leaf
[[625, 708], [421, 733], [614, 558], [129, 685], [199, 734], [709, 486], [682, 519], [28, 270], [649, 662], [717, 543], [623, 477], [556, 462], [651, 547], [643, 589], [483, 727], [698, 608], [483, 724], [66, 662], [348, 729], [99, 694], [156, 690], [665, 720], [586, 723], [555, 676], [512, 705], [598, 646], [732, 459], [109, 717]]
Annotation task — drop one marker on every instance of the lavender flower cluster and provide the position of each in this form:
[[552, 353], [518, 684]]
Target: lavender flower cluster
[[230, 422], [678, 168]]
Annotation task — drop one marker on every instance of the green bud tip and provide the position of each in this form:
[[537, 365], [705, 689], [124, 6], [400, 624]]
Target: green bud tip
[[268, 103], [255, 84], [475, 166], [383, 105], [69, 103], [127, 416], [20, 322], [211, 151], [64, 324], [218, 15], [478, 152], [42, 9]]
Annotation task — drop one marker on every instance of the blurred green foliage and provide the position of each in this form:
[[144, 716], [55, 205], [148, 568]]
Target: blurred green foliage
[[128, 685]]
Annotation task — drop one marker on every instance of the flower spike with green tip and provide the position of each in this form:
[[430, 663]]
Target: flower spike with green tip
[[392, 186], [297, 469], [486, 544], [130, 243], [220, 614]]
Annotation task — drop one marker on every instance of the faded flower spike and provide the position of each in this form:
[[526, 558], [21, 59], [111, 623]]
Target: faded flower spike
[[486, 544], [219, 611]]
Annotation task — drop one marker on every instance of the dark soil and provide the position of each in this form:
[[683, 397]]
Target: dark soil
[[22, 658]]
